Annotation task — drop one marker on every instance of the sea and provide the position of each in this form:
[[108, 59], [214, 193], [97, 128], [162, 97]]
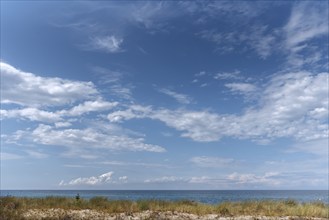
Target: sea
[[203, 196]]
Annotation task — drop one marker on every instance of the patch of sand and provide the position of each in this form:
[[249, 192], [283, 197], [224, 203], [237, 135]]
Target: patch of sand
[[38, 214]]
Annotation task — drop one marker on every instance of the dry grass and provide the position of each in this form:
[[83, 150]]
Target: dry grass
[[13, 207]]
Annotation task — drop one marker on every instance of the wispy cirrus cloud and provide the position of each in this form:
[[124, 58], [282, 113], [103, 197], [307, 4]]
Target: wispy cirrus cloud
[[241, 180], [181, 98], [274, 117], [301, 28], [197, 125], [113, 80], [188, 181], [315, 147], [305, 33], [165, 179], [200, 74], [269, 178], [9, 156], [36, 154], [154, 16], [214, 162], [233, 180], [31, 153], [234, 75], [244, 10], [109, 44], [241, 87], [88, 139], [142, 164], [257, 38]]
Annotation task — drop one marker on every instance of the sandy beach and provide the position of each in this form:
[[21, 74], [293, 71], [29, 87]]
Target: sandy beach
[[100, 208], [37, 214]]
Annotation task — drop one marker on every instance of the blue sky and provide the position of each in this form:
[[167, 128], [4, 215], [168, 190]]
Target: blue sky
[[164, 95]]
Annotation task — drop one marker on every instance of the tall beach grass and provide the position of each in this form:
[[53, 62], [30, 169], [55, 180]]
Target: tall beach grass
[[13, 207]]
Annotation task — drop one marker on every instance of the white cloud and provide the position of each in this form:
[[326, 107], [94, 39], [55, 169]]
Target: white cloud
[[9, 156], [35, 93], [165, 179], [187, 180], [319, 113], [306, 22], [134, 111], [202, 73], [146, 13], [123, 179], [27, 89], [87, 139], [62, 124], [89, 106], [286, 110], [36, 154], [269, 178], [200, 126], [94, 180], [261, 41], [32, 114], [124, 163], [107, 76], [257, 38], [122, 91], [114, 82], [153, 15], [311, 171], [74, 166], [181, 98], [35, 114], [317, 147], [215, 162], [291, 100], [13, 138], [241, 87], [228, 75], [245, 10], [235, 180], [290, 105], [110, 44], [211, 35], [305, 36], [202, 179]]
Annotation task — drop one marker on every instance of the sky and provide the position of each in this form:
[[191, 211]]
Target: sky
[[164, 95]]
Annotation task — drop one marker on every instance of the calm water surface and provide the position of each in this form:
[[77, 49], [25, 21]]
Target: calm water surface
[[204, 196]]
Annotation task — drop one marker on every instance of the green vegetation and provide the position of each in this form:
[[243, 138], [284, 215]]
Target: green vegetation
[[13, 207]]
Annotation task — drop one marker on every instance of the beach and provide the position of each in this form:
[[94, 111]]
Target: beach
[[97, 215], [63, 208]]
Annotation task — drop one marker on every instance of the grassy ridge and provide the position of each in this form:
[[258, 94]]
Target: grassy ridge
[[13, 207]]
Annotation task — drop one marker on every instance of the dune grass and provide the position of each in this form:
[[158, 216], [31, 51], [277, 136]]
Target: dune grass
[[13, 207]]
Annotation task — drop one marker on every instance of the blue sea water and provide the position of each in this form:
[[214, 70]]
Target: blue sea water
[[203, 196]]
